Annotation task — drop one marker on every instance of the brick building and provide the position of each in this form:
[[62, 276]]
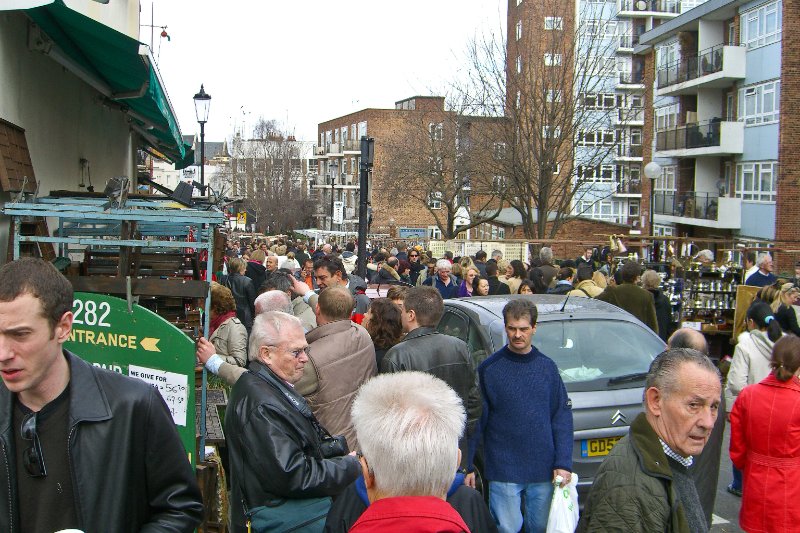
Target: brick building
[[725, 75]]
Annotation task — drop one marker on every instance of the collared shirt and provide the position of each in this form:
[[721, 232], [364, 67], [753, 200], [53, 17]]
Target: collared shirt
[[685, 461]]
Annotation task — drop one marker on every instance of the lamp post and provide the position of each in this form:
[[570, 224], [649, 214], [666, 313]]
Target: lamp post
[[652, 171], [333, 170], [202, 104]]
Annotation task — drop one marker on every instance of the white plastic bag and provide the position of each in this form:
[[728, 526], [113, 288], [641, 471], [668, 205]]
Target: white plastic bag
[[564, 512]]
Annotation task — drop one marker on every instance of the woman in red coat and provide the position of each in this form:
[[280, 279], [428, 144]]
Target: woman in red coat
[[765, 444]]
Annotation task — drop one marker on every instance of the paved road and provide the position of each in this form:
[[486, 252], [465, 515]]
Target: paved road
[[726, 507]]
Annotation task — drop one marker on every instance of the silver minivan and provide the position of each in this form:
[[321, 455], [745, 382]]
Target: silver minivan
[[602, 352]]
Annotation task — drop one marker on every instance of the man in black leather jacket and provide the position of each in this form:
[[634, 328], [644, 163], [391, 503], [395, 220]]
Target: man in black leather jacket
[[444, 356], [274, 447], [84, 447]]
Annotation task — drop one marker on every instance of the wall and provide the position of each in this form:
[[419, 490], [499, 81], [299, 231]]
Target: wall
[[62, 118], [758, 220], [579, 229]]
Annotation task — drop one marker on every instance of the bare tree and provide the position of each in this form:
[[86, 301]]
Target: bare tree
[[269, 172], [436, 162], [554, 84]]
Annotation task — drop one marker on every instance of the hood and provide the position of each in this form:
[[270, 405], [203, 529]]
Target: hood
[[347, 254], [762, 343], [389, 272], [357, 283]]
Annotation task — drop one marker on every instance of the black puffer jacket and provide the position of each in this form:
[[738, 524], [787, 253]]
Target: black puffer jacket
[[257, 273], [129, 470], [244, 293], [275, 450], [446, 357]]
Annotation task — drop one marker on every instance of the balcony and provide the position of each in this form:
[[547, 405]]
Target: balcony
[[718, 67], [627, 152], [351, 146], [318, 152], [633, 116], [697, 209], [630, 80], [711, 138], [649, 8], [625, 43], [629, 188]]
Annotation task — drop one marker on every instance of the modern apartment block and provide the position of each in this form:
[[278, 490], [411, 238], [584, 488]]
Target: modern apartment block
[[609, 108], [723, 120]]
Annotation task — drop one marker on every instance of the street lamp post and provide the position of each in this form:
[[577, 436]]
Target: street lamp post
[[652, 171], [202, 104]]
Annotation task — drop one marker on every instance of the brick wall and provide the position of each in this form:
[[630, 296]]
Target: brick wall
[[647, 136], [584, 230], [787, 227]]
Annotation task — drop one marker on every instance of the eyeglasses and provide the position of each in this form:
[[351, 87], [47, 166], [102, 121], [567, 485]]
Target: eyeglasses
[[32, 457], [296, 353]]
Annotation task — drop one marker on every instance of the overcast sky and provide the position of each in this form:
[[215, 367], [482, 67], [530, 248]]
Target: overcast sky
[[304, 62]]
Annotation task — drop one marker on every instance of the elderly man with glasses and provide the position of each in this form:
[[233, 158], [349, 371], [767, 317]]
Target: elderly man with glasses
[[284, 466]]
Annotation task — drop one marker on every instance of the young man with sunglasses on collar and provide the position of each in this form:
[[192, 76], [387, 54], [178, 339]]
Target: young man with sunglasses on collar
[[84, 448]]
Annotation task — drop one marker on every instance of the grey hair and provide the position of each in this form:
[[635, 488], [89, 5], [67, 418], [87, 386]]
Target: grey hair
[[546, 254], [267, 328], [650, 279], [497, 253], [273, 301], [761, 258], [688, 338], [408, 425], [443, 263], [663, 372]]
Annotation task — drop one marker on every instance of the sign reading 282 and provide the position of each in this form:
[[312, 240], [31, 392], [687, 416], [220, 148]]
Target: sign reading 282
[[88, 312]]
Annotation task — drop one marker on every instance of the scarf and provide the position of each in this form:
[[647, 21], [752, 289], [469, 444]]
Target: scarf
[[217, 322]]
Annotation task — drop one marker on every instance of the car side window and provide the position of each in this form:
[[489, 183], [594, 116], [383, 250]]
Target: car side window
[[454, 325], [476, 346]]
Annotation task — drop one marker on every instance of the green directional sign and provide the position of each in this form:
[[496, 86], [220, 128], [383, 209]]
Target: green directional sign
[[142, 345]]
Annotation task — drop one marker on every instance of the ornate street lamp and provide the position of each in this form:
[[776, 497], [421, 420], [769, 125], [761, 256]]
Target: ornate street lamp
[[202, 104]]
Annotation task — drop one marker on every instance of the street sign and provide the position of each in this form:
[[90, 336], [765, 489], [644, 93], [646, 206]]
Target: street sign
[[142, 345], [338, 212]]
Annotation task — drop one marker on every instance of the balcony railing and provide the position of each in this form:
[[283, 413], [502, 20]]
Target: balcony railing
[[696, 135], [689, 68], [626, 150], [351, 145], [692, 204], [632, 114], [631, 78], [625, 41], [652, 6], [628, 186]]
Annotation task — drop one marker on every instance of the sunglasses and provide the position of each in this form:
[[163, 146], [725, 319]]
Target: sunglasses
[[32, 457], [297, 353], [414, 255]]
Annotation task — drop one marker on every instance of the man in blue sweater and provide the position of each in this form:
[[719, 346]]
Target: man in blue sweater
[[525, 427]]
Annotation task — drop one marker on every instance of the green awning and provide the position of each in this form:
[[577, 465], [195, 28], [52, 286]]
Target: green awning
[[113, 58]]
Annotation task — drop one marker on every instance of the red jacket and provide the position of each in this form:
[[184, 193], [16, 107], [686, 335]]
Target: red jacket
[[418, 514], [765, 444]]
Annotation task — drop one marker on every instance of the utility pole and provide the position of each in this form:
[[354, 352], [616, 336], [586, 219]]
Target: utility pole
[[365, 167]]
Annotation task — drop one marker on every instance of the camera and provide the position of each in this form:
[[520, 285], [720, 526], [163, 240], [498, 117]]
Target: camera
[[334, 447]]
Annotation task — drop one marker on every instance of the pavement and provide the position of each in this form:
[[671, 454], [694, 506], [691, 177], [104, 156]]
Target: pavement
[[726, 506]]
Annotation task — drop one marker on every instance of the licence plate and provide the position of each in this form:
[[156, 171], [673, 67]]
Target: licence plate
[[598, 447]]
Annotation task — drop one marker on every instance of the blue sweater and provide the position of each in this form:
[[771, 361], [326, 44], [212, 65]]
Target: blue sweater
[[526, 424]]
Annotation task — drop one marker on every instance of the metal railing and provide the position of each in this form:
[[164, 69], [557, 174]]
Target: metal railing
[[351, 145], [653, 6], [631, 114], [702, 205], [692, 67], [695, 135], [628, 186], [630, 78], [626, 150]]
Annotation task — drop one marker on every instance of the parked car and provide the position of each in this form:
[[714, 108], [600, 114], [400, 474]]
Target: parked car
[[602, 352]]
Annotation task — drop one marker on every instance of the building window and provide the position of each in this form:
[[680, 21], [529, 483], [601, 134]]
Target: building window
[[553, 23], [663, 231], [519, 99], [499, 150], [633, 209], [760, 104], [553, 95], [362, 129], [519, 30], [435, 200], [762, 25], [499, 183], [434, 233], [549, 132], [602, 209], [597, 138], [667, 117], [636, 137], [757, 181], [557, 168], [436, 130], [666, 183], [551, 60], [599, 173], [519, 64]]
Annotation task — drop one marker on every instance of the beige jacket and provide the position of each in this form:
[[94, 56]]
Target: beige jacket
[[230, 342], [342, 358], [592, 290]]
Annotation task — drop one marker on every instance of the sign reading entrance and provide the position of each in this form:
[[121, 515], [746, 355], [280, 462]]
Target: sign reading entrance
[[142, 345]]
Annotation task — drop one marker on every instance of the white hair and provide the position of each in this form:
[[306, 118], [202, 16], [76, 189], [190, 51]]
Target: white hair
[[761, 258], [267, 328], [708, 254], [546, 254], [273, 301], [443, 263], [408, 425]]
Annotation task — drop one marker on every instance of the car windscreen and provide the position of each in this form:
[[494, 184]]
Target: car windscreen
[[590, 350]]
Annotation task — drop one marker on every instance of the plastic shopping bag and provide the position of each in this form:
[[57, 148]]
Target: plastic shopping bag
[[564, 512]]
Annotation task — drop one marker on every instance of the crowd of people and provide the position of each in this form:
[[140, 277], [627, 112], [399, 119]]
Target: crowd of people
[[354, 414]]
